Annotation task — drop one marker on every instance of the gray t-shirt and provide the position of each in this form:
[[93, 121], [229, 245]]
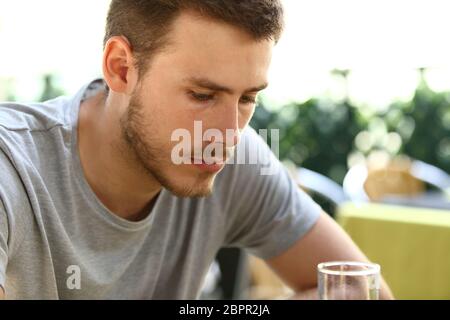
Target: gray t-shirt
[[58, 241]]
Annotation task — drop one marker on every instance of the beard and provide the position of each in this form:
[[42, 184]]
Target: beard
[[148, 151]]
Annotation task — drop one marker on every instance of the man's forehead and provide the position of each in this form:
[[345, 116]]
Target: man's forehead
[[219, 57]]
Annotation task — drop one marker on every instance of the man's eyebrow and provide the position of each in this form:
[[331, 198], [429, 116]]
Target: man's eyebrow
[[208, 84]]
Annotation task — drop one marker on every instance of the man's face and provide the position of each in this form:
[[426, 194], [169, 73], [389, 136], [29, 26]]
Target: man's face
[[211, 72]]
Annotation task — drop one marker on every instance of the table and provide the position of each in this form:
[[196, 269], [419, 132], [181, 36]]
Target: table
[[434, 200], [412, 245]]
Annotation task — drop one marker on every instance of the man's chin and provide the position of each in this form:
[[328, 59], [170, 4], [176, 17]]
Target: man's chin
[[191, 192], [198, 189]]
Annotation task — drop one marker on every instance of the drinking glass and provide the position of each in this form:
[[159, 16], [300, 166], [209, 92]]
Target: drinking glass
[[348, 280]]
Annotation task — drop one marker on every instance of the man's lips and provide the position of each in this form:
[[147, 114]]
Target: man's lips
[[207, 161], [212, 165]]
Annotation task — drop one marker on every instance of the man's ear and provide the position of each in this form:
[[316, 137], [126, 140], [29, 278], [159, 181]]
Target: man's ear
[[119, 70]]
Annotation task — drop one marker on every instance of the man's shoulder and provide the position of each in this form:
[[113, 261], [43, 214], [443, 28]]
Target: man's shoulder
[[23, 125], [253, 165], [249, 134], [253, 155], [12, 190], [33, 116]]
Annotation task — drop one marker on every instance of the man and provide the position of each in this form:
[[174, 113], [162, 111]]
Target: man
[[94, 204]]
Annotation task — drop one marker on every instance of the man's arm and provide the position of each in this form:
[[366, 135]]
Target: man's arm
[[326, 241], [2, 293]]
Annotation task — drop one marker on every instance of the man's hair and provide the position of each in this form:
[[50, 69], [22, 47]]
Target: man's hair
[[146, 23]]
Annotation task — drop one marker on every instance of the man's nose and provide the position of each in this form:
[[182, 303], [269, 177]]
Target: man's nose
[[230, 126]]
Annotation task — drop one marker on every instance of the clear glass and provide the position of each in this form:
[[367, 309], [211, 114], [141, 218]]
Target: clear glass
[[346, 280]]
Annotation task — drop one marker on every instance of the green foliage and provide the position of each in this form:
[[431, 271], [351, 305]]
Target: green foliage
[[428, 116], [50, 90], [321, 134]]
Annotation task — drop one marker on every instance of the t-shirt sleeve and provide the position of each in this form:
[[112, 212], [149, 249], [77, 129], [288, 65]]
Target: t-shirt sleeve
[[12, 204], [4, 225], [270, 213], [3, 245]]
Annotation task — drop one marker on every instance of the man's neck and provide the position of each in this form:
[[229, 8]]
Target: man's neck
[[114, 176]]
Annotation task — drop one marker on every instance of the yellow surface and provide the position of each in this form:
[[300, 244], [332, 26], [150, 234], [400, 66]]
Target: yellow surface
[[412, 246]]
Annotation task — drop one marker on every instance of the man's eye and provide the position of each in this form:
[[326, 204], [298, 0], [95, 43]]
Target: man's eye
[[202, 97], [246, 99]]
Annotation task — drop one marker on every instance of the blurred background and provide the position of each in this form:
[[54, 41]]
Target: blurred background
[[360, 91]]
